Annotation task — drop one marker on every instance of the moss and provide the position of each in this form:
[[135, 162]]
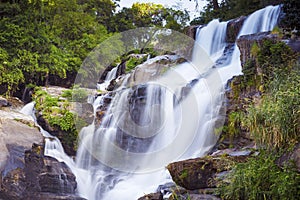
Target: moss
[[184, 174], [56, 112]]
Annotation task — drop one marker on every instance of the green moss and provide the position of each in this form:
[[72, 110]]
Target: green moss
[[184, 174], [132, 62], [76, 94], [56, 112]]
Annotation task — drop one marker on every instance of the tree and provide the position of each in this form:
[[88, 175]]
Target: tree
[[149, 15]]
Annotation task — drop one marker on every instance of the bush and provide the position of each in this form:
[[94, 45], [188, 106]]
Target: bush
[[56, 112], [261, 178], [275, 122]]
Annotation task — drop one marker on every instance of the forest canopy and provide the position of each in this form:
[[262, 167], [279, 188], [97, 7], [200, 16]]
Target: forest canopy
[[42, 39]]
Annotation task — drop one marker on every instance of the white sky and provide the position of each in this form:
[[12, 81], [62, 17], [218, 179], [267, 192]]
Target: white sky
[[184, 4]]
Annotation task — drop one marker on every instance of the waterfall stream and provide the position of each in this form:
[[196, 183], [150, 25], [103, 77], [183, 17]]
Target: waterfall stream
[[126, 156]]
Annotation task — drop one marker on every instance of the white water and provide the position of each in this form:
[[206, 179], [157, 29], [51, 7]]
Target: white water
[[109, 77], [176, 131], [212, 38], [260, 21]]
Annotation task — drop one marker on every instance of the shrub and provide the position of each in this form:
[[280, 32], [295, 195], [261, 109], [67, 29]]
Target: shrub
[[261, 178], [275, 121]]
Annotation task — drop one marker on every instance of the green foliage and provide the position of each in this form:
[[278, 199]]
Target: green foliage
[[275, 61], [291, 20], [76, 94], [230, 9], [275, 122], [133, 62], [234, 120], [184, 174], [261, 178], [56, 111], [40, 38], [43, 38], [148, 15]]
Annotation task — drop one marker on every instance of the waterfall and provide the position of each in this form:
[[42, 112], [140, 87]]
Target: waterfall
[[212, 38], [111, 75], [148, 126], [260, 21]]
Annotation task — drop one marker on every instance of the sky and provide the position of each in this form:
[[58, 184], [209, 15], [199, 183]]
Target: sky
[[184, 4]]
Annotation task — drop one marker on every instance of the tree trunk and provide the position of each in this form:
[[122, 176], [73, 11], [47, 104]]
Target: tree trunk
[[215, 4]]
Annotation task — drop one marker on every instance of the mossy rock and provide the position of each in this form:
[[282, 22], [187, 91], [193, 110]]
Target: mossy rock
[[199, 173]]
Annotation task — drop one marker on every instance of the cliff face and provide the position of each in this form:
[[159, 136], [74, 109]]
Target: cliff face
[[245, 43], [25, 173]]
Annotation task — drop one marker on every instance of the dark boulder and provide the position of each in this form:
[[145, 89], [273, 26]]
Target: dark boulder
[[200, 173], [41, 177], [152, 196], [4, 102], [233, 28]]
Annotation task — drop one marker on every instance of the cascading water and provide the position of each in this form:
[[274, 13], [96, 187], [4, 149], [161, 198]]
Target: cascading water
[[109, 77], [260, 21], [149, 126], [212, 38]]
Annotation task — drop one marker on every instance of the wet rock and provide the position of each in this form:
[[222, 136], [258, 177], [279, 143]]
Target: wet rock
[[4, 102], [13, 185], [120, 71], [40, 177], [294, 44], [233, 28], [85, 111], [64, 136], [102, 108], [152, 69], [27, 94], [112, 85], [152, 196], [225, 59], [191, 31], [200, 172]]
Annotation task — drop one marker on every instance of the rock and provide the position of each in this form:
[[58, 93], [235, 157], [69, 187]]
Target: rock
[[40, 177], [200, 172], [112, 85], [84, 111], [233, 28], [4, 102], [245, 43], [27, 94], [17, 133], [293, 156], [191, 31], [152, 69], [13, 185], [67, 138], [202, 197], [102, 108], [152, 196], [120, 71], [294, 44], [16, 103]]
